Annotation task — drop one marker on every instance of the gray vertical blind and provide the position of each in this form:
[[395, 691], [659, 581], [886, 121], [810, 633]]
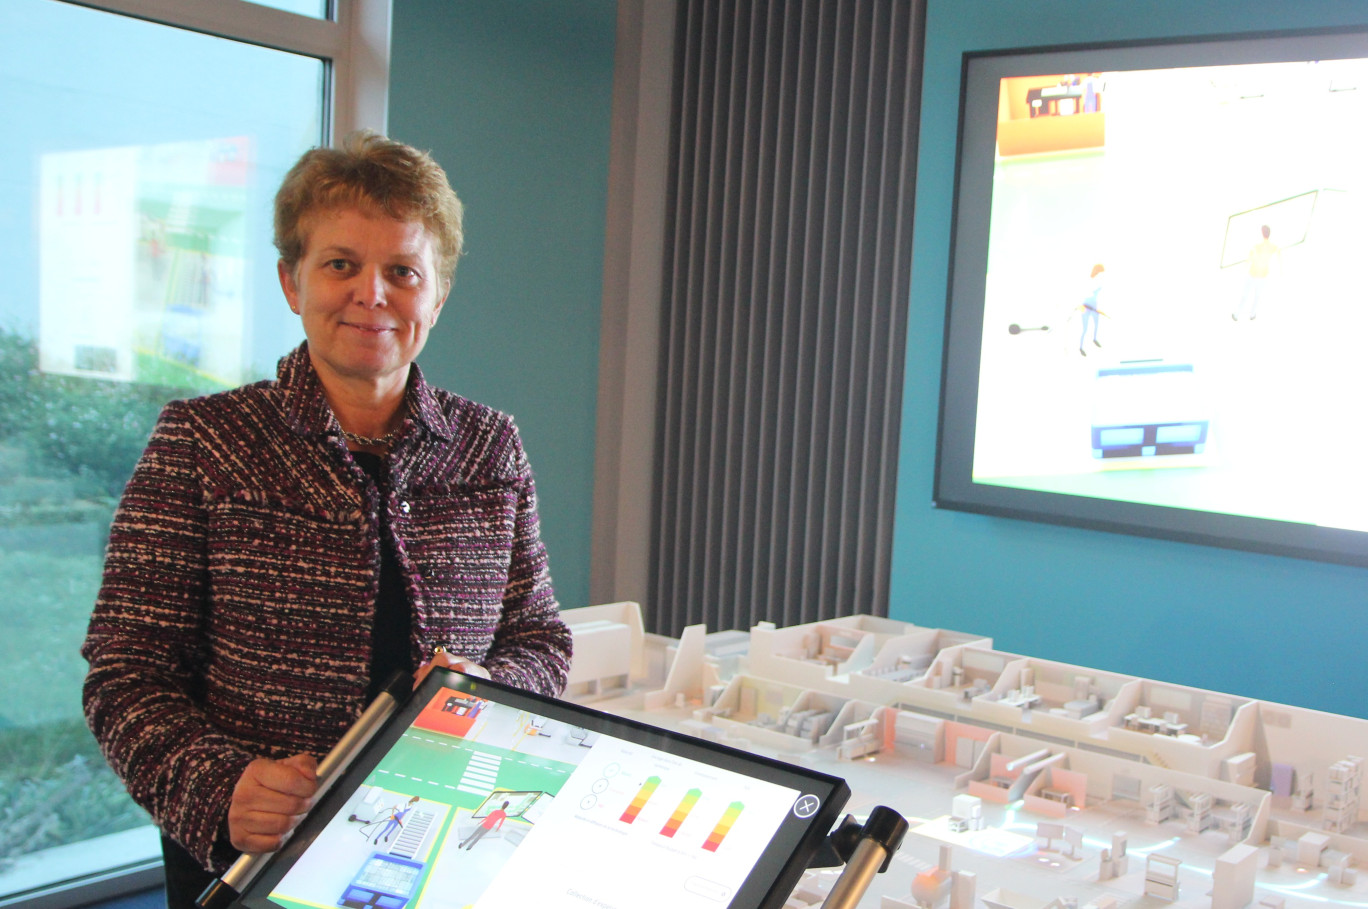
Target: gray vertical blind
[[787, 279]]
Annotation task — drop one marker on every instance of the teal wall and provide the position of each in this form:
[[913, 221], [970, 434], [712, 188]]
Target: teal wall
[[513, 98], [1260, 626]]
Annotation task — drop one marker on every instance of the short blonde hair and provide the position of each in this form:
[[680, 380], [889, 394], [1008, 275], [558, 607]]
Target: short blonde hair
[[375, 174]]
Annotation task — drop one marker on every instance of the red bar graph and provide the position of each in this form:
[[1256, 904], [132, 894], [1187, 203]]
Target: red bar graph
[[643, 796], [724, 826], [681, 812]]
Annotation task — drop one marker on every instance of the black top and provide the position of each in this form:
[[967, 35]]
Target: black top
[[391, 650]]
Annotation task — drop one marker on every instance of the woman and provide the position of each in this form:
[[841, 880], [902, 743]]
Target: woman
[[282, 548]]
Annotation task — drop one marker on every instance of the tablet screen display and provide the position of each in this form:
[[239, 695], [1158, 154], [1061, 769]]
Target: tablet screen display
[[479, 795]]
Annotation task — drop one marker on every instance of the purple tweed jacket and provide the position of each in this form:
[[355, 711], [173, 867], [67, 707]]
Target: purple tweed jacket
[[240, 580]]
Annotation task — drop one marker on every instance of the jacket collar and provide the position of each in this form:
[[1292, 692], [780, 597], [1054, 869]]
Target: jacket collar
[[307, 411]]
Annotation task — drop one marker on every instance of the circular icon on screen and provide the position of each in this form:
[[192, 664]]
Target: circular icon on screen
[[806, 806]]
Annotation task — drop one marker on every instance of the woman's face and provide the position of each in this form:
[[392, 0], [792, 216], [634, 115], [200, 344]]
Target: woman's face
[[367, 291]]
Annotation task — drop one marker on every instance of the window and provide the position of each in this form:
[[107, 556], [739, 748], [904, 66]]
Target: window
[[144, 142]]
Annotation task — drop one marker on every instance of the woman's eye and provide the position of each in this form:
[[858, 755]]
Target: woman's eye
[[337, 264]]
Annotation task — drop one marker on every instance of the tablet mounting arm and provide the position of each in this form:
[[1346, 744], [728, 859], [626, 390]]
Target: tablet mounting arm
[[865, 850]]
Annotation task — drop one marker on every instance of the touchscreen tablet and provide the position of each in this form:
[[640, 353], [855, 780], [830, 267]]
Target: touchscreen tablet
[[474, 794]]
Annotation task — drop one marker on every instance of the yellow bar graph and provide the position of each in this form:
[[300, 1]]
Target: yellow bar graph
[[719, 833], [643, 796]]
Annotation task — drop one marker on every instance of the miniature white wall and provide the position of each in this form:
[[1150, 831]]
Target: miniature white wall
[[592, 663]]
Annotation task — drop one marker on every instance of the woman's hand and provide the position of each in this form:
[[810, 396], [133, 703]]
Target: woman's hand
[[268, 801], [443, 660]]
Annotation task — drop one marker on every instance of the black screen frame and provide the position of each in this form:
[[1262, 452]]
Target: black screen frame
[[770, 882], [954, 486]]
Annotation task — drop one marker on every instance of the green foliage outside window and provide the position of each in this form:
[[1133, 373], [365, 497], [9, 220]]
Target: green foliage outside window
[[89, 431], [67, 447], [55, 789]]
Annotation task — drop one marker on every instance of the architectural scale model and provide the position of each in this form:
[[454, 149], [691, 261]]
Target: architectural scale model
[[1029, 784]]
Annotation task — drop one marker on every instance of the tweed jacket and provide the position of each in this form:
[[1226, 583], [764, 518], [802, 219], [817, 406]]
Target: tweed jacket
[[235, 614]]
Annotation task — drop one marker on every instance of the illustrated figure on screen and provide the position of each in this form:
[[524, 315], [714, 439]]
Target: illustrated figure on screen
[[1092, 93], [395, 821], [1092, 302], [493, 821], [1262, 258]]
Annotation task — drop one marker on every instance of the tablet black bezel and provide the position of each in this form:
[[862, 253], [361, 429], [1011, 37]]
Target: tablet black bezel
[[767, 886]]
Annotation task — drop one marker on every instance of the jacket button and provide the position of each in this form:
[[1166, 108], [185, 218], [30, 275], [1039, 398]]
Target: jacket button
[[404, 507]]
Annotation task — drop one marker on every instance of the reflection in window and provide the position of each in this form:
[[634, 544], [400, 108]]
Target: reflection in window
[[314, 9], [135, 187]]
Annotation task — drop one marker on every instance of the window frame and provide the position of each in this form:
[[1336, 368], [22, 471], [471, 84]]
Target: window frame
[[354, 43]]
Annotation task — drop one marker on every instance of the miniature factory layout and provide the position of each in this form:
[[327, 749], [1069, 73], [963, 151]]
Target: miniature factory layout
[[1029, 784]]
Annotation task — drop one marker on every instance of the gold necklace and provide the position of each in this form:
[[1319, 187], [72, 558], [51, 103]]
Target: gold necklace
[[367, 442], [381, 441]]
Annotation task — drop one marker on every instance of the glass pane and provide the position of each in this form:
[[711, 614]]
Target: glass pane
[[314, 9], [136, 179]]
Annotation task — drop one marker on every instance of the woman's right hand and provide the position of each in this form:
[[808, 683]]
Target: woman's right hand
[[268, 801]]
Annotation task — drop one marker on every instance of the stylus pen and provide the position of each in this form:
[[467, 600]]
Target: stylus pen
[[227, 888]]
